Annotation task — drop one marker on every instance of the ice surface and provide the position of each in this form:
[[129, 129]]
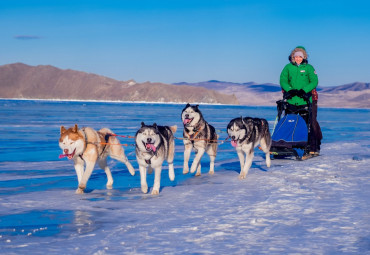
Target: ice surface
[[318, 206]]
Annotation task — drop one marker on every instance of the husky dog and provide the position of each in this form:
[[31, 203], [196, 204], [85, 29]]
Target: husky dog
[[154, 144], [87, 146], [246, 134], [199, 135]]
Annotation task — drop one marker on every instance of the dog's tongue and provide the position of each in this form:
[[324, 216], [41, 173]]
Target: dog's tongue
[[69, 156], [150, 146], [233, 143], [187, 121]]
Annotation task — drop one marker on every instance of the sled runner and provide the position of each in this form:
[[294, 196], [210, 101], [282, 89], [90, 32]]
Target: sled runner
[[292, 131]]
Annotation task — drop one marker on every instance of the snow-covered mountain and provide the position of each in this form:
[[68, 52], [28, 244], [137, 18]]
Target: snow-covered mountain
[[356, 86], [353, 95]]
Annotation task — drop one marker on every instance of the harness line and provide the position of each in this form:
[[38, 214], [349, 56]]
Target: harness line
[[125, 136], [178, 138]]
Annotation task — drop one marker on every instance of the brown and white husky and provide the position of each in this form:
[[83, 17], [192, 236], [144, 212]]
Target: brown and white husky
[[86, 147]]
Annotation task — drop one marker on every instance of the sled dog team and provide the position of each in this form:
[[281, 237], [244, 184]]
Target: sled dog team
[[154, 144]]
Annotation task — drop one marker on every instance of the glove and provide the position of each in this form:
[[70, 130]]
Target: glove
[[292, 93], [301, 93], [289, 94]]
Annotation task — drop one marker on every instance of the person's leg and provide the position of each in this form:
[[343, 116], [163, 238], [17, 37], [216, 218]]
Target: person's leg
[[316, 134]]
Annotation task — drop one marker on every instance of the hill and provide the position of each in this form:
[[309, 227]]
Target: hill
[[354, 95], [48, 82], [356, 86]]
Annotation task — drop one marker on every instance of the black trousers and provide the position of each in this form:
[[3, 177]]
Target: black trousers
[[316, 134], [314, 140]]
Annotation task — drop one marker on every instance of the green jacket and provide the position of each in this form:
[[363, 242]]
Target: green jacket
[[298, 77]]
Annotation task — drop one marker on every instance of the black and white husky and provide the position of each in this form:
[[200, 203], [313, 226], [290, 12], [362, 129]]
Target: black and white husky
[[199, 135], [154, 144], [246, 134]]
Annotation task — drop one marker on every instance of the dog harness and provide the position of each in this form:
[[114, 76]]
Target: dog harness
[[196, 132], [86, 142], [106, 137]]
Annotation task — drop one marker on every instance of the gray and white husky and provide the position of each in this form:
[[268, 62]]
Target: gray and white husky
[[199, 135], [154, 144], [246, 134]]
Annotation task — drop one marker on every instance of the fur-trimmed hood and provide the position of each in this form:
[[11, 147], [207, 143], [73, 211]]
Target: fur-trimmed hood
[[296, 49]]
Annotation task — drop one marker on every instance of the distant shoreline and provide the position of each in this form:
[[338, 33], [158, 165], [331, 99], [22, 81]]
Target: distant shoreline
[[145, 102], [108, 101]]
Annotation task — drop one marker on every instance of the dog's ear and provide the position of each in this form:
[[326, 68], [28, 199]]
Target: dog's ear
[[197, 106], [142, 124], [155, 126], [62, 129], [187, 105], [243, 121], [75, 128]]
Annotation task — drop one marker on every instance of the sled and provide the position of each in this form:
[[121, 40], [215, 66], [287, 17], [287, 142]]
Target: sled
[[291, 131]]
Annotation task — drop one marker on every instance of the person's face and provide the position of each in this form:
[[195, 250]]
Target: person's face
[[298, 59]]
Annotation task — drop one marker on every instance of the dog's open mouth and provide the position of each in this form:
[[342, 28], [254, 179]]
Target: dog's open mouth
[[69, 156], [150, 147], [187, 121], [234, 143]]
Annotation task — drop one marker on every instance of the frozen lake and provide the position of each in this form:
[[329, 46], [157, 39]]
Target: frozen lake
[[318, 206]]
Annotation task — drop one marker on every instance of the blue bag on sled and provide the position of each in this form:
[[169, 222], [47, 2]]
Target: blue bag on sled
[[291, 131]]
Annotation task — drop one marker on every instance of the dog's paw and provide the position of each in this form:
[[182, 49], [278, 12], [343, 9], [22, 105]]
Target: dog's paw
[[185, 170], [144, 189], [79, 191], [197, 173], [268, 163], [109, 186], [131, 170], [211, 172], [171, 176], [193, 169], [241, 177], [155, 192]]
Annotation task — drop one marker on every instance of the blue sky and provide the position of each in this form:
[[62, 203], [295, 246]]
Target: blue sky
[[193, 40]]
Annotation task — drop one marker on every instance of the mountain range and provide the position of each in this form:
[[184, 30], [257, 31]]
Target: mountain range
[[47, 82], [354, 95]]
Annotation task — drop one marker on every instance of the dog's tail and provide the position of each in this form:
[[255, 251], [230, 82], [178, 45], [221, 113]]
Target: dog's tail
[[173, 129], [266, 132], [106, 131]]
